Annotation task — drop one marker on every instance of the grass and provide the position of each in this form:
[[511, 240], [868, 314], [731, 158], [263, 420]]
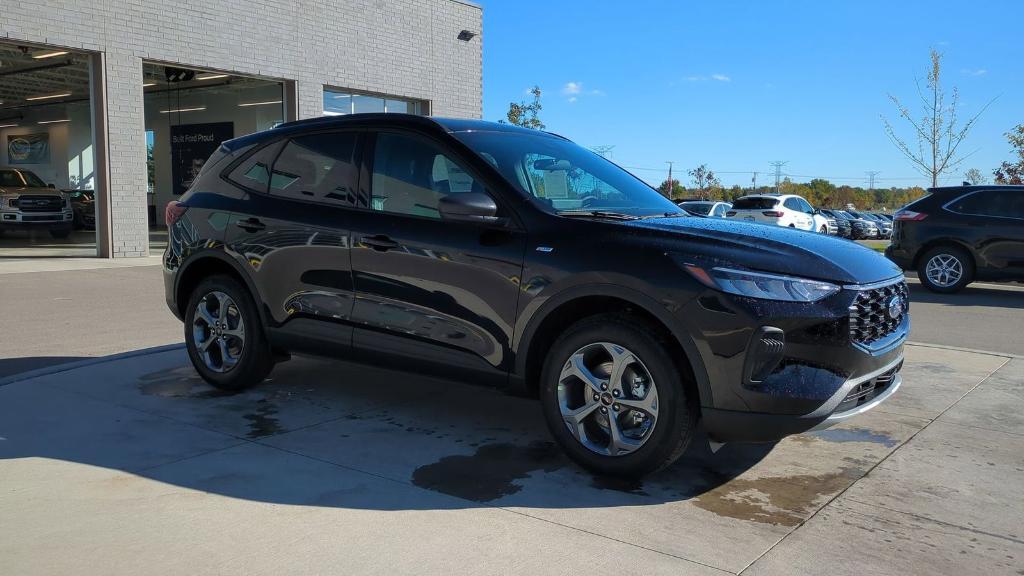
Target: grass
[[876, 245]]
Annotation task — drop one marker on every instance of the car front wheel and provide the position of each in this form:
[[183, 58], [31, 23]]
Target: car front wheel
[[614, 399], [945, 269], [224, 335]]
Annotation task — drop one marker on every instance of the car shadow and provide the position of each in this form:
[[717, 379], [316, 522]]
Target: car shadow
[[989, 295], [327, 433], [12, 366]]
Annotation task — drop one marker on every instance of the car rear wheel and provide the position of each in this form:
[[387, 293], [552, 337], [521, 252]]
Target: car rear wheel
[[614, 399], [224, 335], [823, 230], [946, 269]]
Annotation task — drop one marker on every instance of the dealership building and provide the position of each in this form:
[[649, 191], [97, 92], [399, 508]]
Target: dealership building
[[116, 103]]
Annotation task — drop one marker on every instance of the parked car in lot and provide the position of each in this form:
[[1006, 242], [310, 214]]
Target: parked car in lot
[[707, 208], [487, 249], [843, 226], [959, 234], [884, 226], [781, 210], [28, 202], [862, 228], [83, 205]]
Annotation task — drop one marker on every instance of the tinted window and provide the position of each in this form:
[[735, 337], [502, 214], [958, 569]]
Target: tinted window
[[1006, 203], [805, 206], [254, 172], [755, 203], [317, 168], [697, 207], [20, 179], [411, 175]]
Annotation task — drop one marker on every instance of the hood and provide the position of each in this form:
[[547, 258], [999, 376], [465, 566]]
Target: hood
[[12, 191], [771, 248]]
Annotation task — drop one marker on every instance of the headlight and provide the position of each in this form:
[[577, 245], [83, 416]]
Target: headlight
[[763, 286]]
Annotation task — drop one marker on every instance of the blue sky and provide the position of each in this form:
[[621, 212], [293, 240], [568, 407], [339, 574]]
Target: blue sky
[[738, 84]]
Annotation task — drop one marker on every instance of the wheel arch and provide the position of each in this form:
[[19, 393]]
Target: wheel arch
[[205, 264], [938, 242], [550, 319]]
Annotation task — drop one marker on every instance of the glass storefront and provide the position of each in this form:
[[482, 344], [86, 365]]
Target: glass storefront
[[339, 102]]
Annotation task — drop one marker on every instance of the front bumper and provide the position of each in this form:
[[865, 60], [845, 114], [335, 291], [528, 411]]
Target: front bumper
[[819, 373], [19, 220]]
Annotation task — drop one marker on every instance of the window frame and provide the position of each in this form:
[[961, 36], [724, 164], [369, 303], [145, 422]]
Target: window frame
[[947, 206], [509, 218]]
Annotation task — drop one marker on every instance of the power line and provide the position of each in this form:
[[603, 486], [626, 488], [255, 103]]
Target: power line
[[871, 178]]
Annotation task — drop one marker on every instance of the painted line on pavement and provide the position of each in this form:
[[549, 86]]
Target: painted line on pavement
[[960, 349]]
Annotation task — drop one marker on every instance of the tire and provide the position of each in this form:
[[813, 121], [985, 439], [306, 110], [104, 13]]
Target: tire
[[60, 233], [823, 230], [951, 267], [667, 435], [248, 355]]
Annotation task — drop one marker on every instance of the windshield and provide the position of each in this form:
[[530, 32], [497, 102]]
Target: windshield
[[697, 207], [564, 178], [756, 203], [20, 179]]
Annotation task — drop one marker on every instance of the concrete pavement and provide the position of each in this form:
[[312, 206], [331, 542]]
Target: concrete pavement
[[137, 466]]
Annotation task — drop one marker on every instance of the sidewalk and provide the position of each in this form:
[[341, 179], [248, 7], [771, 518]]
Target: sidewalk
[[136, 466]]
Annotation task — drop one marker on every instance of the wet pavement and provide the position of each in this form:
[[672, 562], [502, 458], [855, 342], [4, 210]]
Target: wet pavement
[[136, 466]]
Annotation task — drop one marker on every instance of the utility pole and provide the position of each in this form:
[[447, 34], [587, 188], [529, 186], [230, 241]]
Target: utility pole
[[753, 184], [871, 178], [778, 164], [671, 188]]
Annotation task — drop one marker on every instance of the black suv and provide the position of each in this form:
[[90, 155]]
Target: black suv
[[959, 234], [485, 249]]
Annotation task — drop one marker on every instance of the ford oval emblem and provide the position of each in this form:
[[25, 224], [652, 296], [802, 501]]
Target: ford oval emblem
[[895, 307]]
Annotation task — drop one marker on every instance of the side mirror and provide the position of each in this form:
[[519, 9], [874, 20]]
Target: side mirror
[[469, 207]]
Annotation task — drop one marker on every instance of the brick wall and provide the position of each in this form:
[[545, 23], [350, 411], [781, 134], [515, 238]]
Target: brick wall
[[400, 47]]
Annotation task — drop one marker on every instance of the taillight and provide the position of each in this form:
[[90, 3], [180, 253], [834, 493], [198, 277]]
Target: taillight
[[730, 213], [909, 215], [173, 211], [772, 213]]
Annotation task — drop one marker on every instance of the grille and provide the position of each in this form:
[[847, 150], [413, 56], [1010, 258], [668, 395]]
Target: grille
[[866, 391], [870, 320], [40, 203]]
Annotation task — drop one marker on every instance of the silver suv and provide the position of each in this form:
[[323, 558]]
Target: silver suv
[[28, 202]]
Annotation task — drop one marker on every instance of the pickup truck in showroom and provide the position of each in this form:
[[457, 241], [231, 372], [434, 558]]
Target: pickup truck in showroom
[[28, 202]]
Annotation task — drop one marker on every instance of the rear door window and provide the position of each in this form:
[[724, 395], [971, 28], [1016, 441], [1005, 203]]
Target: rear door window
[[317, 168], [755, 203], [253, 173], [1002, 203]]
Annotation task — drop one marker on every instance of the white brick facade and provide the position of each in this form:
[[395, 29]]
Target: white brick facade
[[405, 48]]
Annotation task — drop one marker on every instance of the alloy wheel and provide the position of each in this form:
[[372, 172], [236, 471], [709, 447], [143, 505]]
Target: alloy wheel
[[218, 331], [608, 399], [944, 270]]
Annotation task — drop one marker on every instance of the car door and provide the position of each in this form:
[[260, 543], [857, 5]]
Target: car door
[[292, 236], [800, 218], [426, 287], [996, 221]]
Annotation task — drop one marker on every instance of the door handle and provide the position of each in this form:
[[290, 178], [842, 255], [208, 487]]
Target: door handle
[[251, 224], [380, 242]]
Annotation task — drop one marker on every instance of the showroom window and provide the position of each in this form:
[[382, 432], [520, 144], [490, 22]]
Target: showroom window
[[341, 102]]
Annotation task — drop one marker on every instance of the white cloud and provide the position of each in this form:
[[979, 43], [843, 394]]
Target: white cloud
[[572, 99], [701, 78], [721, 78], [971, 72], [694, 78], [572, 88]]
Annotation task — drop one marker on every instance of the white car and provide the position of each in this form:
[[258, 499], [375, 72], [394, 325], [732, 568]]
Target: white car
[[780, 210], [709, 208]]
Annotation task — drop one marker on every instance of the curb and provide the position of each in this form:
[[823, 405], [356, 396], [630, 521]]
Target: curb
[[58, 368], [959, 349]]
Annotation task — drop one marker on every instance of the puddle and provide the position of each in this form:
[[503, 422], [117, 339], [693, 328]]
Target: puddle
[[780, 500], [490, 472], [181, 382], [262, 422], [618, 485], [855, 435]]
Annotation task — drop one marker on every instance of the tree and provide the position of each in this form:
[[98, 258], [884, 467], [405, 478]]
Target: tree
[[1013, 173], [526, 115], [678, 190], [704, 180], [974, 176], [938, 132]]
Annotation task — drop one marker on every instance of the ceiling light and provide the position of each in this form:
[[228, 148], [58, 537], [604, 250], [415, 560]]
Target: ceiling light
[[148, 84], [260, 103], [211, 76], [52, 121], [62, 95], [41, 55], [8, 125], [176, 110]]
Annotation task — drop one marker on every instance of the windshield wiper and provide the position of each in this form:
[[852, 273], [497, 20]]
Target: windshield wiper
[[682, 214], [597, 214]]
